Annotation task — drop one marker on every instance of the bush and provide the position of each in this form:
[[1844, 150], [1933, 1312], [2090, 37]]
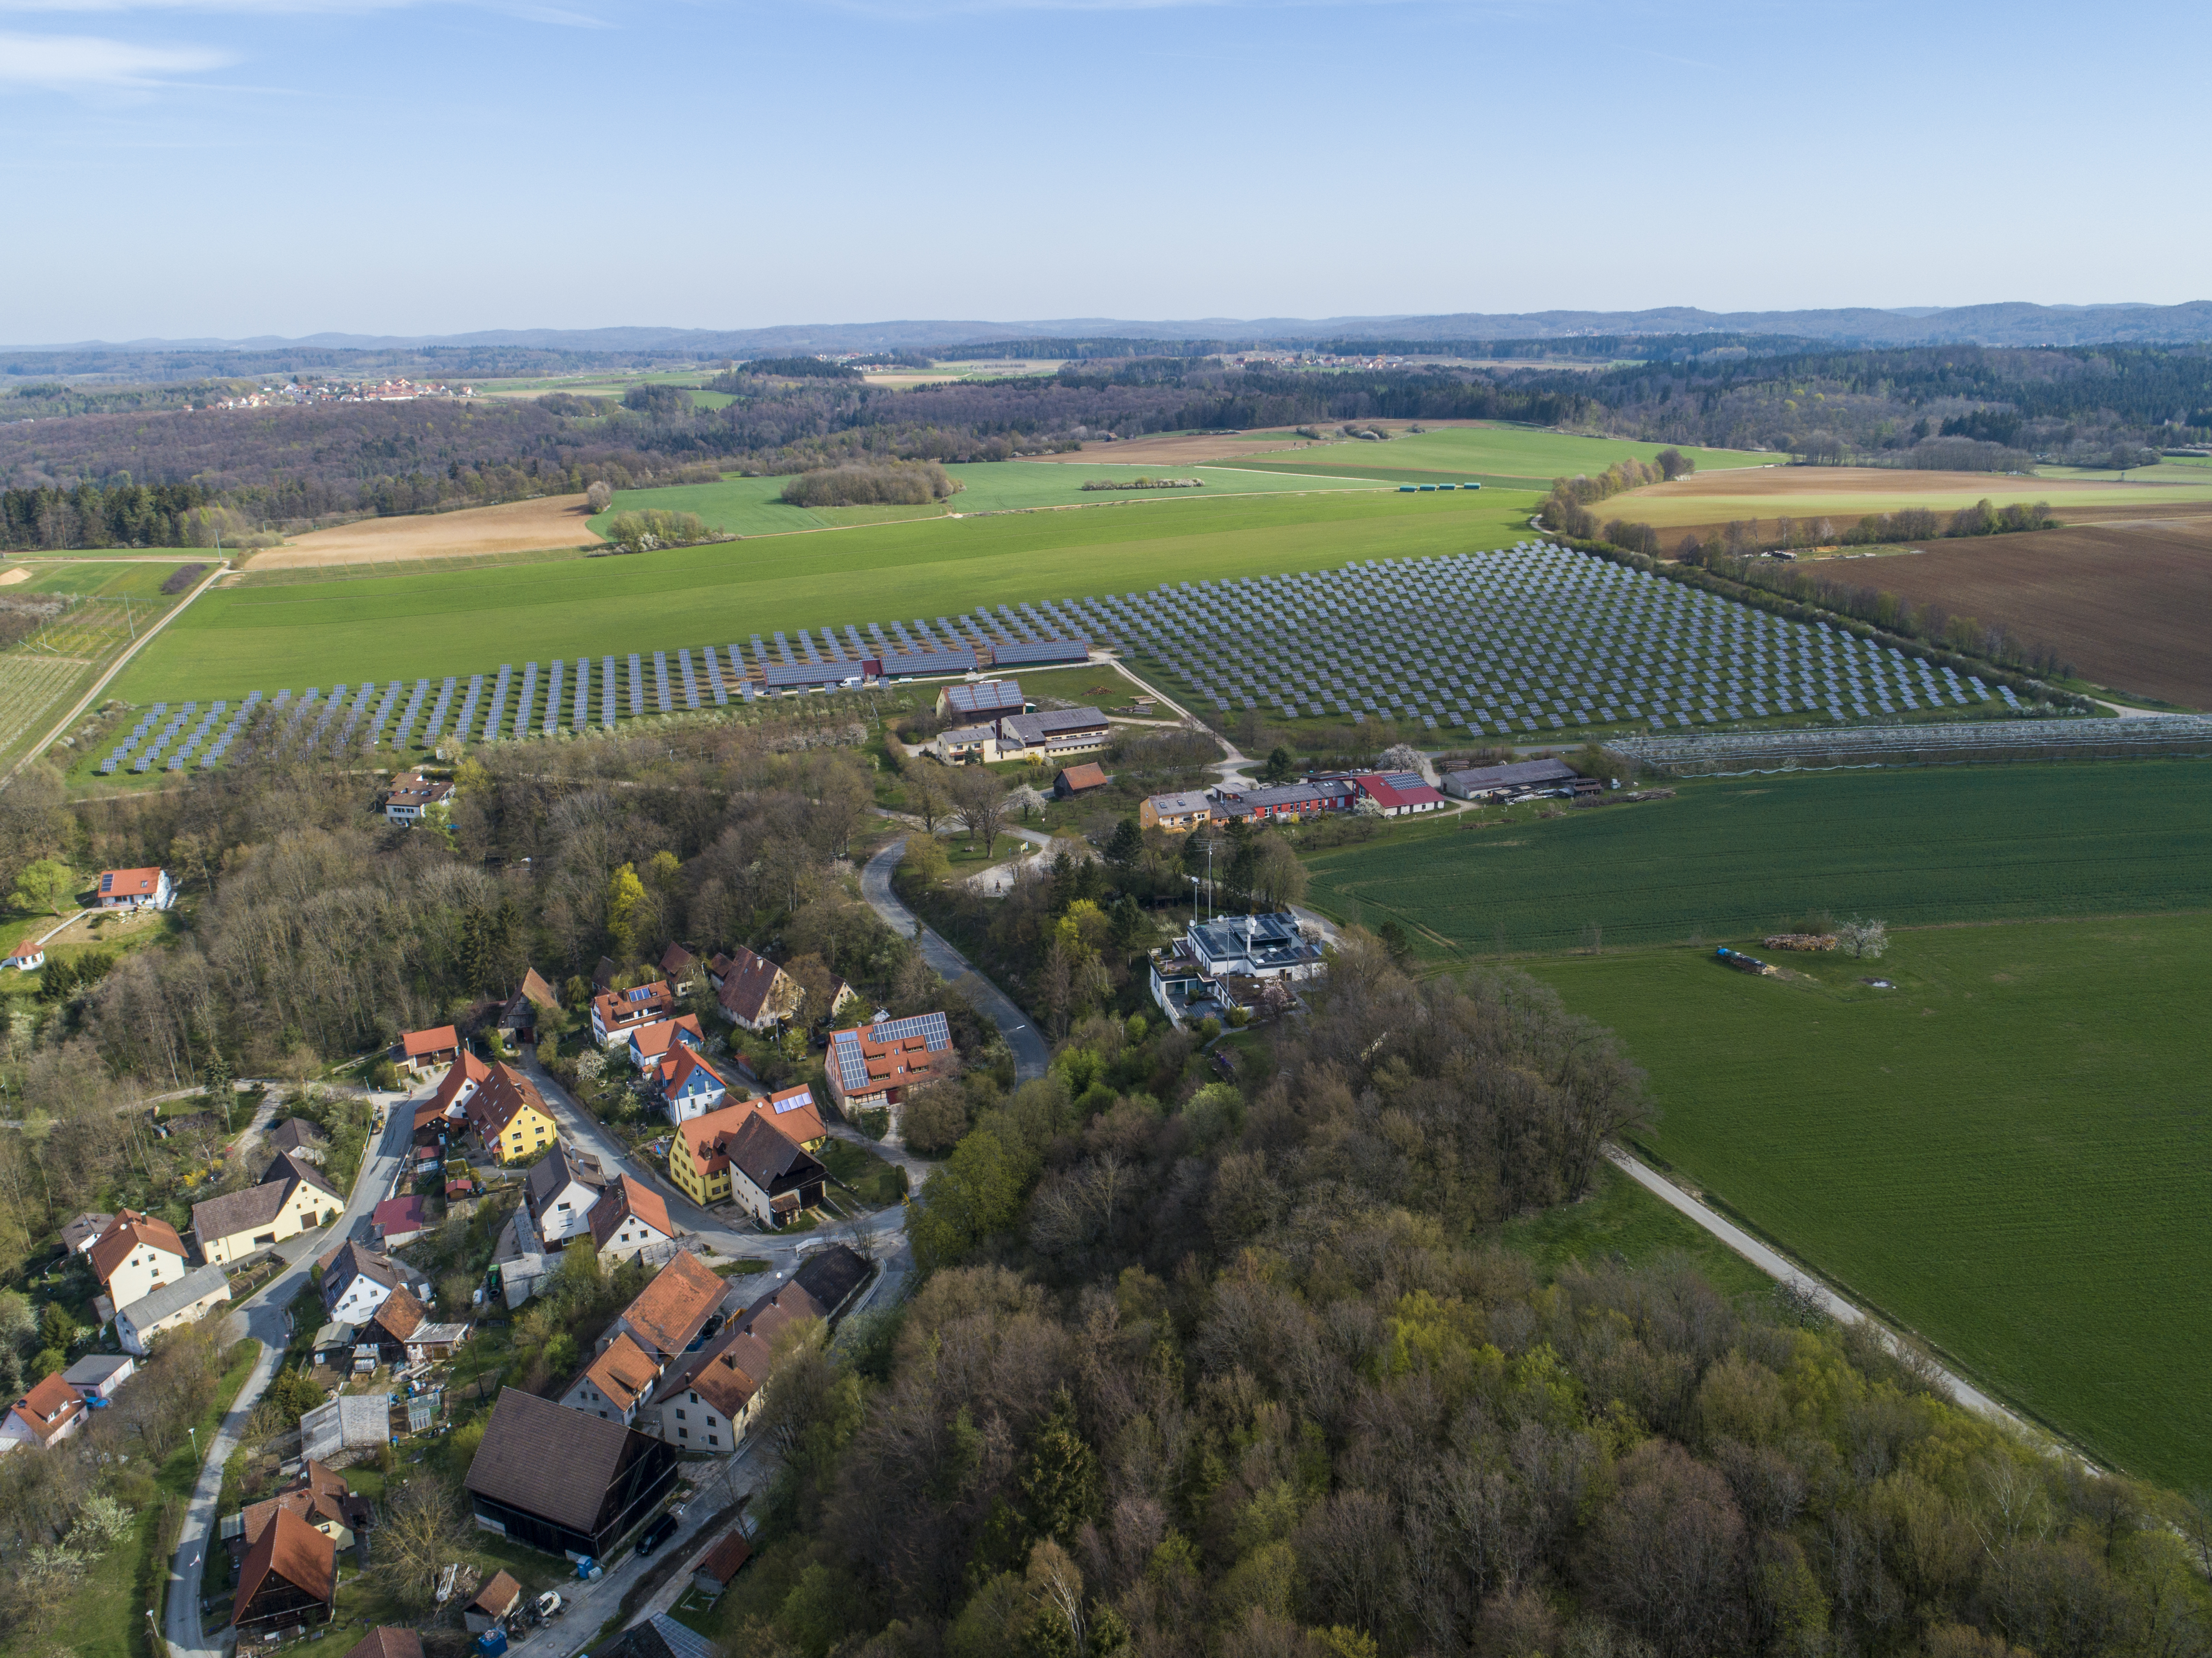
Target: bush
[[183, 577], [643, 532], [935, 1117], [891, 483]]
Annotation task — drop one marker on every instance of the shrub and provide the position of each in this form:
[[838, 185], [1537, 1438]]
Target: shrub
[[183, 577], [889, 483], [642, 532]]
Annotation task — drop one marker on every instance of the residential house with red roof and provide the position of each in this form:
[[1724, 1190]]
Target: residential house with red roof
[[136, 1255], [290, 1577], [690, 1087], [615, 1013], [134, 889], [876, 1065], [51, 1413], [509, 1117], [630, 1219], [423, 1050]]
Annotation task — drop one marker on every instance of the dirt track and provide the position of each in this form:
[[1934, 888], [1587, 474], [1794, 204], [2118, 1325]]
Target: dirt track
[[2126, 603], [519, 526]]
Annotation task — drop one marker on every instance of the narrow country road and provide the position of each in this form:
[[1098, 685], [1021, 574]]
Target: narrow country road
[[1031, 1056], [264, 1317], [1776, 1265]]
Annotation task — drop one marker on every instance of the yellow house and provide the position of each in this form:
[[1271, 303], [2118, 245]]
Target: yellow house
[[696, 1160], [294, 1197], [510, 1117]]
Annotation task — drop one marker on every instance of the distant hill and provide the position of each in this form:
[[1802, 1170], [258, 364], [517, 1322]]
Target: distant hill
[[2009, 324]]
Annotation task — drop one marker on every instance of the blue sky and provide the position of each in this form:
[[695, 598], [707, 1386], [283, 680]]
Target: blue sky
[[234, 167]]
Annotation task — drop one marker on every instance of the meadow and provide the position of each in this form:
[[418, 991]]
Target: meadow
[[403, 626], [1506, 452], [2003, 1153], [1847, 494], [749, 507], [1729, 857]]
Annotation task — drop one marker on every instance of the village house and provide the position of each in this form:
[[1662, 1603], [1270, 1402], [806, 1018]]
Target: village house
[[289, 1578], [320, 1497], [700, 1161], [615, 1013], [190, 1297], [399, 1221], [607, 1479], [753, 991], [509, 1117], [293, 1197], [1255, 804], [616, 1383], [679, 965], [1178, 814], [1248, 961], [961, 745], [134, 889], [302, 1139], [649, 1044], [413, 796], [877, 1064], [426, 1050], [80, 1232], [563, 1186], [671, 1311], [690, 1087], [708, 1401], [629, 1220], [772, 1177], [402, 1332], [136, 1255], [51, 1413], [357, 1280]]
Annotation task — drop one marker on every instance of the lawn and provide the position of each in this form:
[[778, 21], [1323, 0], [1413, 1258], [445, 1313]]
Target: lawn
[[877, 1183], [1484, 452], [237, 639], [2004, 1152], [1728, 857]]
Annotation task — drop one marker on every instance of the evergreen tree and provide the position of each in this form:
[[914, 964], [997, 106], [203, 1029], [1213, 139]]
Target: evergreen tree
[[1059, 1486], [1125, 846]]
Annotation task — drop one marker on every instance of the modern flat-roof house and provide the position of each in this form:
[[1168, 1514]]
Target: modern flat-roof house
[[1496, 782], [874, 1065], [190, 1297], [1052, 734], [618, 1012], [604, 1482], [980, 700], [1247, 962], [134, 889]]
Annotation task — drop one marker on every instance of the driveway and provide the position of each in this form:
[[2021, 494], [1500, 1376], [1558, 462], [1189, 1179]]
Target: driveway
[[1031, 1056], [263, 1315]]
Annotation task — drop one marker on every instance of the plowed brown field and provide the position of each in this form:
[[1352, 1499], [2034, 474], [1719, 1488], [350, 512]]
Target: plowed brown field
[[519, 526], [2126, 603]]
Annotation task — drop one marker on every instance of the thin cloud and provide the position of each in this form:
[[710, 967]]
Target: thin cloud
[[81, 63], [529, 11]]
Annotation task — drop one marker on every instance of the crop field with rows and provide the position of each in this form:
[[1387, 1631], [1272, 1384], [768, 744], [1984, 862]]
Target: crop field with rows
[[2003, 1152], [1729, 857]]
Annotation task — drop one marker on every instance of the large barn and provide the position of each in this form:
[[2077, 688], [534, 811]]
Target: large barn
[[564, 1482]]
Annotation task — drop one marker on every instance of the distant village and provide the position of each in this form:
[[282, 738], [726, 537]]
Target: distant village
[[294, 392]]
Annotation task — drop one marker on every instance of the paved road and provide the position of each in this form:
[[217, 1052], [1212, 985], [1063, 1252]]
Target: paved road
[[1031, 1056], [1775, 1263], [265, 1319]]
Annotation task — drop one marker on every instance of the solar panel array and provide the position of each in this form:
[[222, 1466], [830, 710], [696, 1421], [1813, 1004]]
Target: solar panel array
[[1530, 639]]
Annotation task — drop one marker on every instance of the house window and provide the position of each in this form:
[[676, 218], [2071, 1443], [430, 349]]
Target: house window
[[264, 1237], [684, 1433], [712, 1439], [679, 1415]]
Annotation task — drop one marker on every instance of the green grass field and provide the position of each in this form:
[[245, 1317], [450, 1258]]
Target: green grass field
[[749, 507], [1729, 857], [2004, 1153], [242, 639], [1505, 452], [104, 578], [1620, 1218]]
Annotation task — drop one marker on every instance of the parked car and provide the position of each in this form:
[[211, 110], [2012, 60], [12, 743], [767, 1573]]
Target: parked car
[[657, 1533]]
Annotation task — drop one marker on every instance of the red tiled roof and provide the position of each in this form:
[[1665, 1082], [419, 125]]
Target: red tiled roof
[[465, 1070], [622, 1372], [504, 1095], [652, 1040], [1388, 794], [625, 1198], [416, 1043], [49, 1407], [497, 1597], [294, 1551], [128, 882], [386, 1642], [721, 1562], [668, 1311], [125, 1234], [624, 1009]]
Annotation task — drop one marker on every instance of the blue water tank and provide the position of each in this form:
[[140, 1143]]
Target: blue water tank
[[492, 1641]]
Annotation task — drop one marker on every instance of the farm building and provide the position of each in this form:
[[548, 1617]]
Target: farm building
[[1397, 793], [422, 1049], [720, 1563], [290, 1577], [1495, 782], [1080, 779], [190, 1297], [982, 699], [1052, 734], [400, 1220], [607, 1480]]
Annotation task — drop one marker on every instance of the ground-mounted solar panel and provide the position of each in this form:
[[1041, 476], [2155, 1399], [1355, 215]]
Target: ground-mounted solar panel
[[524, 700], [607, 696], [714, 683], [553, 688], [691, 684], [637, 686], [660, 698]]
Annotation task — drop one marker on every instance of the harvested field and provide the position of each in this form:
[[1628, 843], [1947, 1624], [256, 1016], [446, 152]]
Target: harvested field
[[2125, 603], [1846, 494], [9, 577], [519, 526]]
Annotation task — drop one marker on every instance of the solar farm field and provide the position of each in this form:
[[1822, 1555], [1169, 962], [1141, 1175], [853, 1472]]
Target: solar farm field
[[271, 638], [749, 507], [2003, 1152], [1728, 858]]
